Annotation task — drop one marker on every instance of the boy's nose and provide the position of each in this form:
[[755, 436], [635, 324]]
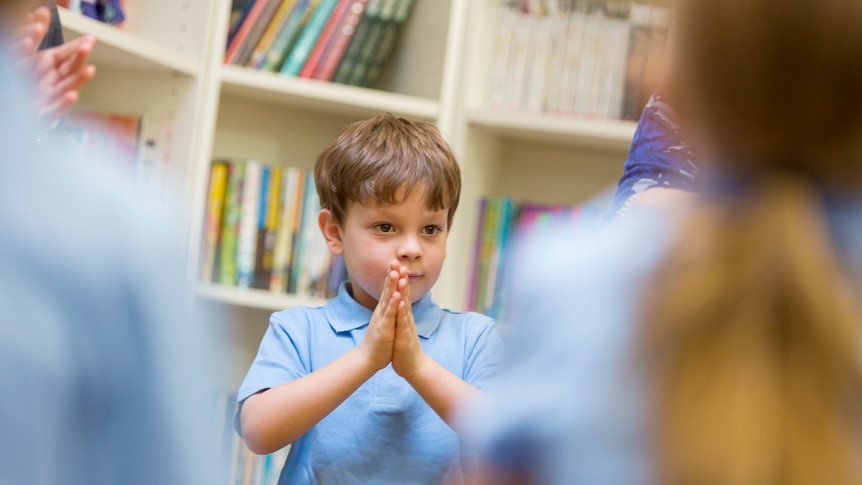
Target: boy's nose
[[409, 249]]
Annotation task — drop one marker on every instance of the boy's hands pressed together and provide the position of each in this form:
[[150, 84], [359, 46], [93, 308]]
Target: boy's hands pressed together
[[378, 343], [407, 354]]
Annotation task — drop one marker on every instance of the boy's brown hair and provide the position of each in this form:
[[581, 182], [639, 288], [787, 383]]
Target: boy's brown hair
[[383, 159]]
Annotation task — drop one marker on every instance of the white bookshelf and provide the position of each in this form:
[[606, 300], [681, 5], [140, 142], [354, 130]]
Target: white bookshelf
[[121, 50], [167, 64], [323, 97]]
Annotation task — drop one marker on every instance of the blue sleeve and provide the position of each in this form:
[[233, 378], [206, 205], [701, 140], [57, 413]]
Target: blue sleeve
[[485, 357], [282, 356], [660, 155]]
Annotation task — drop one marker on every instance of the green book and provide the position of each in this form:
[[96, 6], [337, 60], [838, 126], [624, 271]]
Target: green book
[[287, 35], [387, 44], [230, 224], [372, 43], [305, 43], [345, 67]]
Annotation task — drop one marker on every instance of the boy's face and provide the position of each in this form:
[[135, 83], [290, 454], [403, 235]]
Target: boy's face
[[374, 234]]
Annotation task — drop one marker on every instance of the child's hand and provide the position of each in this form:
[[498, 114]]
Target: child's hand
[[407, 355], [379, 340]]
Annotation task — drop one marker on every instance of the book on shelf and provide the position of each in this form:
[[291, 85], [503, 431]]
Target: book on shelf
[[266, 233], [256, 31], [324, 40], [238, 11], [215, 205], [268, 236], [225, 258], [340, 41], [585, 58], [343, 41], [286, 35], [268, 36], [108, 11], [308, 38], [371, 43], [351, 53], [253, 185], [505, 232], [135, 146], [388, 39], [241, 36]]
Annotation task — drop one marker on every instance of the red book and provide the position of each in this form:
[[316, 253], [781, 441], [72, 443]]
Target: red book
[[341, 41], [248, 22], [324, 39]]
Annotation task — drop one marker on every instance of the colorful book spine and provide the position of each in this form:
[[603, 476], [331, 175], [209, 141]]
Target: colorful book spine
[[247, 236], [238, 12], [305, 43], [341, 41], [256, 32], [230, 224], [351, 55], [324, 40], [287, 35], [260, 235], [287, 228], [212, 224], [268, 37], [233, 49], [391, 31], [272, 215], [372, 43]]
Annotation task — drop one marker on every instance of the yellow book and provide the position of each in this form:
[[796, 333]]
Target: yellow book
[[266, 40], [212, 224]]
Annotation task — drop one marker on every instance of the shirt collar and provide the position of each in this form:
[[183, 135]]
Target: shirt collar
[[345, 314]]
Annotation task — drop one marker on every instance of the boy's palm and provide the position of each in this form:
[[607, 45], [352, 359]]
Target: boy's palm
[[407, 355], [378, 343]]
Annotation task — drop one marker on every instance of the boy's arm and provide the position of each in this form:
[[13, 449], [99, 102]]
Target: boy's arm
[[274, 418], [445, 392]]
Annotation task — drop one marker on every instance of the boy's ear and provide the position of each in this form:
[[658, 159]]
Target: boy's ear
[[331, 232]]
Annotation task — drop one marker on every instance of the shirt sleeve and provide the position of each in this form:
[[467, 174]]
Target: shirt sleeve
[[282, 356], [660, 155], [485, 358]]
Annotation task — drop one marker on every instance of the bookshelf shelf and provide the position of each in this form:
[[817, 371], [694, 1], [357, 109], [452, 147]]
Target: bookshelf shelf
[[254, 298], [574, 132], [121, 50], [322, 96]]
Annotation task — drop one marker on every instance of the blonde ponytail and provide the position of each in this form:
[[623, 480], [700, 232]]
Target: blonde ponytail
[[751, 347]]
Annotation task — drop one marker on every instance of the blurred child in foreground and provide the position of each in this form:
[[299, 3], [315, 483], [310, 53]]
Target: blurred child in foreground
[[104, 374], [365, 387], [719, 343]]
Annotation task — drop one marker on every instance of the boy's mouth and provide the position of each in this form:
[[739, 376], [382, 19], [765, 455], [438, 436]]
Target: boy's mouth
[[414, 276]]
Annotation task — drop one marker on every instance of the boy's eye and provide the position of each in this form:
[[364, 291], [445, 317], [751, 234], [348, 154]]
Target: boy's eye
[[431, 230], [384, 227]]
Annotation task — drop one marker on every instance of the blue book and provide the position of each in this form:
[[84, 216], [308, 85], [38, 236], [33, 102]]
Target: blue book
[[286, 36], [305, 43]]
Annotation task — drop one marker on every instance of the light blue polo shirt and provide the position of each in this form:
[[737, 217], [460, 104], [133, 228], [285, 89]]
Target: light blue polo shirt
[[384, 432]]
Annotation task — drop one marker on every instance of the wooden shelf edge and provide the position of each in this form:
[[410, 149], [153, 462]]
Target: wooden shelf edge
[[145, 54], [325, 96], [610, 134], [255, 298]]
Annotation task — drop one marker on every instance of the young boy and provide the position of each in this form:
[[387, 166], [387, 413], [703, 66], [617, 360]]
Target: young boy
[[363, 388]]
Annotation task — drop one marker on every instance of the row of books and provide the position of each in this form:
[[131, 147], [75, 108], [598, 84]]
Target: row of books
[[239, 464], [109, 11], [261, 231], [343, 41], [137, 147], [588, 58], [504, 234]]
